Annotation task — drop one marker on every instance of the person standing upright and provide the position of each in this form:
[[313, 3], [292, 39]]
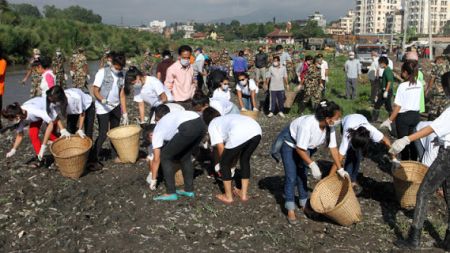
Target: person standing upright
[[3, 65], [324, 73], [35, 76], [167, 61], [261, 61], [374, 77], [80, 71], [240, 65], [58, 68], [353, 71]]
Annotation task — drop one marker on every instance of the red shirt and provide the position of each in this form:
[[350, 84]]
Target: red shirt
[[3, 65]]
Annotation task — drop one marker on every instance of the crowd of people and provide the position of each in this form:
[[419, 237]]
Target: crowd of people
[[195, 102]]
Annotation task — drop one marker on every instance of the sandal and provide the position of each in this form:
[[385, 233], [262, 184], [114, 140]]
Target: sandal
[[222, 198], [238, 193]]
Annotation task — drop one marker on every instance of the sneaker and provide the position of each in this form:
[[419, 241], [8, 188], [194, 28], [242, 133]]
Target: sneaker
[[281, 115], [270, 115]]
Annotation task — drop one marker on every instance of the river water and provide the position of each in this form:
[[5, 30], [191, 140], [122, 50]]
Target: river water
[[16, 92]]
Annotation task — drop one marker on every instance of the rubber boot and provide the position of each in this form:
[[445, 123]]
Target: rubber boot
[[413, 240], [446, 242], [375, 115]]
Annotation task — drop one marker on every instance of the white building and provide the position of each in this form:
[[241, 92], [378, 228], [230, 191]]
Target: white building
[[157, 26], [418, 15], [188, 30], [371, 15], [346, 23], [321, 21], [394, 22]]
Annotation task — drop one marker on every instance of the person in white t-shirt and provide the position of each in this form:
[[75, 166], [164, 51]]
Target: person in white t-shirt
[[174, 137], [110, 105], [77, 107], [147, 89], [297, 143], [427, 147], [33, 113], [246, 91], [437, 174], [233, 137], [223, 91], [406, 111], [324, 69], [200, 102]]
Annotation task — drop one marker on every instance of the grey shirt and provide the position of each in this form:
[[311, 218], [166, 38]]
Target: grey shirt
[[352, 68], [277, 75]]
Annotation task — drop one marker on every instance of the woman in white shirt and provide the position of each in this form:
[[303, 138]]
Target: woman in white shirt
[[246, 91], [33, 113], [223, 89], [200, 102], [406, 113], [233, 137], [75, 106], [437, 174], [300, 141]]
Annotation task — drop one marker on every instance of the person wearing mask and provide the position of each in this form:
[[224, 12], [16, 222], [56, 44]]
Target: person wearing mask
[[240, 65], [437, 102], [246, 90], [312, 86], [223, 88], [44, 68], [373, 77], [58, 68], [175, 136], [437, 174], [167, 61], [110, 105], [200, 102], [406, 111], [33, 113], [233, 137], [296, 145], [80, 71], [35, 76], [353, 71], [304, 69], [180, 78], [277, 77], [324, 69], [77, 107], [199, 67], [3, 65], [147, 89], [386, 88], [261, 61], [285, 58]]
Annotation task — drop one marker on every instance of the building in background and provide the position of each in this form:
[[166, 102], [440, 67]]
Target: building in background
[[188, 30], [319, 18], [280, 37], [157, 26], [418, 15], [394, 22], [347, 22], [371, 15]]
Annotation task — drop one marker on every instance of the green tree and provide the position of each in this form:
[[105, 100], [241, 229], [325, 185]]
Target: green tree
[[178, 35], [446, 28], [26, 10]]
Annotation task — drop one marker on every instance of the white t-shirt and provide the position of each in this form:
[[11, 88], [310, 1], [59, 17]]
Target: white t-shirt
[[36, 110], [323, 69], [381, 70], [113, 96], [307, 134], [354, 121], [233, 130], [47, 82], [77, 101], [150, 92], [374, 67], [285, 57], [174, 107], [408, 96], [441, 127], [223, 106], [429, 143], [167, 126], [245, 89], [219, 93]]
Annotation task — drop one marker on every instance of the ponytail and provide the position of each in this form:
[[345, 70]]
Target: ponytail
[[326, 109], [412, 68], [54, 95], [132, 74], [359, 138]]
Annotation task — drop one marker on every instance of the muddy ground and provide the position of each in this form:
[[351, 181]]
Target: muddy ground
[[112, 211]]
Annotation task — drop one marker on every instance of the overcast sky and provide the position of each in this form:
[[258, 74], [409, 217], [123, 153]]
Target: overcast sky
[[136, 12]]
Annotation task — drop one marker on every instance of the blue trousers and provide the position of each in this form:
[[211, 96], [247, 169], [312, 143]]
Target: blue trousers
[[277, 99], [352, 163], [247, 100]]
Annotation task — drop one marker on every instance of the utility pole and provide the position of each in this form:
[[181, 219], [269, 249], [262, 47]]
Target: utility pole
[[430, 30], [405, 25]]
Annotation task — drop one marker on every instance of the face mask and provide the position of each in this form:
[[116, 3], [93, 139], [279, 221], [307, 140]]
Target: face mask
[[109, 63], [336, 123], [243, 83], [276, 64], [115, 71], [351, 57], [138, 85], [184, 62], [225, 87]]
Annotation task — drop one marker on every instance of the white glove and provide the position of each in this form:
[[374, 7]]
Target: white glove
[[385, 94], [65, 133], [66, 77], [72, 73], [11, 153], [315, 170], [81, 133], [399, 145], [395, 164], [255, 109], [217, 168], [153, 184], [341, 172], [104, 101], [88, 77], [243, 109], [42, 152], [149, 178], [145, 121], [124, 120], [387, 123], [150, 157]]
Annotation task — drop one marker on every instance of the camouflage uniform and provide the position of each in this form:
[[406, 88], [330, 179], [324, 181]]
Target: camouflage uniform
[[35, 81], [58, 69], [147, 64], [313, 87], [103, 61], [437, 101], [80, 76]]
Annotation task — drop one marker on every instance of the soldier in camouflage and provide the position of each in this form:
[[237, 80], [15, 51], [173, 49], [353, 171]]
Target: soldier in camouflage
[[312, 86], [105, 60], [58, 68], [147, 63], [437, 101], [35, 76], [80, 71]]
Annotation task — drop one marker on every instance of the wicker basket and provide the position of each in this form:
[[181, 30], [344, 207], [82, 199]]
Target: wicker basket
[[334, 198], [71, 155], [251, 114], [290, 98], [407, 180], [126, 141]]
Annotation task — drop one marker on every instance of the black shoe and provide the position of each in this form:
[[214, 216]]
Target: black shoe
[[413, 240], [446, 242], [96, 166]]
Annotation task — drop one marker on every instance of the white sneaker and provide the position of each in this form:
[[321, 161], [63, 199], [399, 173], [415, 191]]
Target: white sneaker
[[270, 115], [281, 115]]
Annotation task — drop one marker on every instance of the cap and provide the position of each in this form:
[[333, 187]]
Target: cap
[[36, 51]]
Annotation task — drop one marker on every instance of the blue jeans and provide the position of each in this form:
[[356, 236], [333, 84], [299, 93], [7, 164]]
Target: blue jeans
[[247, 100], [296, 174], [352, 163]]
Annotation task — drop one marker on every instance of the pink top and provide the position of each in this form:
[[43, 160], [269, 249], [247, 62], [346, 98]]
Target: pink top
[[180, 81], [48, 81]]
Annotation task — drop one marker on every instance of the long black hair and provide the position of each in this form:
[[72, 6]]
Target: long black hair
[[132, 74], [12, 111], [54, 95], [326, 109], [209, 114], [446, 84], [359, 138], [412, 68]]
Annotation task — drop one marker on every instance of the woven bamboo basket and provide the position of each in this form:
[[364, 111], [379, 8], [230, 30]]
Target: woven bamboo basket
[[71, 155], [334, 197], [251, 114], [290, 98], [407, 180], [126, 141]]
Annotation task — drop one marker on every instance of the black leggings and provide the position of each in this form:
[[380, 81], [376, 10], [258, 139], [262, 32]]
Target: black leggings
[[89, 118], [387, 102], [244, 152], [406, 125], [179, 148], [106, 122], [438, 172]]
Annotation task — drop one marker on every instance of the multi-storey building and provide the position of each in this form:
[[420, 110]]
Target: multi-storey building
[[371, 15], [394, 22], [419, 15], [321, 21]]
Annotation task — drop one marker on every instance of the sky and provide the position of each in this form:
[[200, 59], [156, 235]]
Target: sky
[[136, 12]]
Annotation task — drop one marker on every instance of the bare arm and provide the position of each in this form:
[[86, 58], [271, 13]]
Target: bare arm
[[81, 121], [430, 85], [158, 75], [337, 158], [97, 94], [239, 95], [420, 134], [163, 97], [48, 132], [123, 101], [253, 96], [19, 138], [304, 155], [395, 112], [141, 107], [219, 148]]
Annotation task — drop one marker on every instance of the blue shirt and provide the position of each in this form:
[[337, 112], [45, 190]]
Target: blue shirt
[[240, 64]]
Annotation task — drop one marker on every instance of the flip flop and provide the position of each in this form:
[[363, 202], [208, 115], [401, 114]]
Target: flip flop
[[171, 197], [220, 198], [237, 193], [186, 194]]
